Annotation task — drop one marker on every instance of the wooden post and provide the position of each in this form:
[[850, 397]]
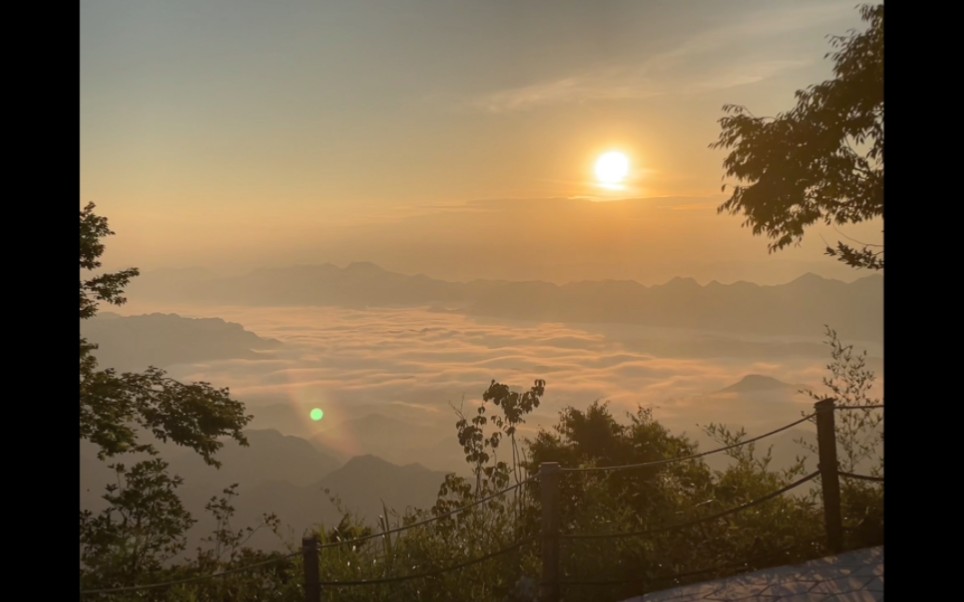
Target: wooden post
[[829, 478], [309, 552], [549, 473]]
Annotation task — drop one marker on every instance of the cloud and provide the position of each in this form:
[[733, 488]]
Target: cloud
[[384, 357], [742, 75], [613, 85], [715, 59], [413, 367], [626, 84]]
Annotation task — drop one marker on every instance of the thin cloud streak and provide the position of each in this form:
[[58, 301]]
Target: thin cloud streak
[[625, 84], [694, 66]]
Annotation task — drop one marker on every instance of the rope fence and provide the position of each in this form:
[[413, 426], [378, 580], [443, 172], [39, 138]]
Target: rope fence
[[434, 573], [549, 479], [861, 477], [690, 457], [353, 542], [426, 521], [703, 519], [194, 579]]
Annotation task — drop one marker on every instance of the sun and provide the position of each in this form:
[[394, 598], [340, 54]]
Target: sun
[[612, 168]]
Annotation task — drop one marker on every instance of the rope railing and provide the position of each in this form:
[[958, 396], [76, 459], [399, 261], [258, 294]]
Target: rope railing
[[517, 545], [551, 537], [432, 573], [703, 519], [329, 545], [861, 477], [426, 521], [195, 578], [690, 457]]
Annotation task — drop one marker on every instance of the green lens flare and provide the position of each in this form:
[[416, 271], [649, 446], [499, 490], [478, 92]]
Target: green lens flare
[[317, 414]]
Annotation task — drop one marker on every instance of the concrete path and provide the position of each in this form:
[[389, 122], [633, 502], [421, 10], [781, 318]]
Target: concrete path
[[857, 575]]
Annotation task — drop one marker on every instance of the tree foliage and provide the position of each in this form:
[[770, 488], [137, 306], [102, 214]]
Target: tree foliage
[[645, 500], [469, 520], [144, 523], [481, 434], [642, 501], [113, 407], [859, 426], [823, 160]]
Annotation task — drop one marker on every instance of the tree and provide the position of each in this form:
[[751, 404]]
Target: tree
[[469, 520], [860, 440], [652, 498], [821, 161], [144, 522]]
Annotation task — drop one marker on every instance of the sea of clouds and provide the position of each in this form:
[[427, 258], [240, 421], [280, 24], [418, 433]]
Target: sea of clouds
[[391, 380]]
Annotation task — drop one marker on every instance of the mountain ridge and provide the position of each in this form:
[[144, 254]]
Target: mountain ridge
[[802, 306], [130, 343]]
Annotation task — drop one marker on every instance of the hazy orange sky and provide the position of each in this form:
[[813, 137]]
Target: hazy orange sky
[[453, 138]]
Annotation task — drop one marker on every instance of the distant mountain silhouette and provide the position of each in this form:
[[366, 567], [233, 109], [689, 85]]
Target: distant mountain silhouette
[[802, 306], [401, 440], [757, 382], [281, 416], [364, 481], [284, 475], [360, 487], [269, 456], [135, 342]]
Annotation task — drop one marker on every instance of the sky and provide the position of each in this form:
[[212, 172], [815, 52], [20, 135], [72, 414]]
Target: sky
[[454, 138]]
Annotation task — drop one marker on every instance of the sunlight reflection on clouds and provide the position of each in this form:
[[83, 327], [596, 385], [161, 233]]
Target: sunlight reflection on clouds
[[386, 359]]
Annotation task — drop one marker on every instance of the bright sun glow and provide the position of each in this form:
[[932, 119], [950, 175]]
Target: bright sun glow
[[612, 168]]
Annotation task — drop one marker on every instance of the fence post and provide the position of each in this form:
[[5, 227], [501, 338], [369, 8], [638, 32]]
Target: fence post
[[829, 478], [309, 552], [549, 488]]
